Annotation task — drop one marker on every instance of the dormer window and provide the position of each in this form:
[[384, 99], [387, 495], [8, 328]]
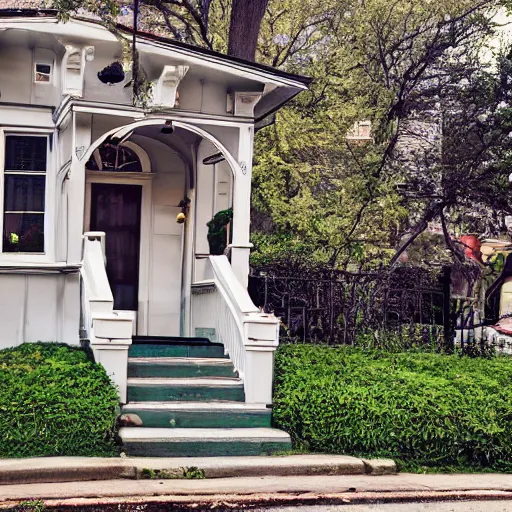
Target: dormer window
[[43, 73]]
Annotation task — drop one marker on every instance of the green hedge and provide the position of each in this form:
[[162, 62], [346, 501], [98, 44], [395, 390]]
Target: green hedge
[[423, 409], [54, 401]]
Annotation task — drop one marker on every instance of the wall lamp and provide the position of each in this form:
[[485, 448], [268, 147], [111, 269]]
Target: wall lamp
[[214, 159]]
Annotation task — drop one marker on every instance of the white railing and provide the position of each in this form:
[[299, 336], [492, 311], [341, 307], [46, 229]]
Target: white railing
[[109, 334], [96, 293], [222, 307]]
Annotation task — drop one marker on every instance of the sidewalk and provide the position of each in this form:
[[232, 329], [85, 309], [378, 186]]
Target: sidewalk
[[243, 491], [70, 469]]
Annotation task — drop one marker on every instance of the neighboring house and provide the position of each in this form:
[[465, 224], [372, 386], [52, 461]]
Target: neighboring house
[[87, 178]]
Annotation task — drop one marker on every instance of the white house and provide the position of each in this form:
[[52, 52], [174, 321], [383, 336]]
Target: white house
[[91, 186]]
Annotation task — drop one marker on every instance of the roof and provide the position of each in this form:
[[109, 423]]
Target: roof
[[36, 9]]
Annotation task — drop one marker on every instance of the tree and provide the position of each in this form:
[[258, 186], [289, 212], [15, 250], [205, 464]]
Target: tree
[[244, 27], [380, 64]]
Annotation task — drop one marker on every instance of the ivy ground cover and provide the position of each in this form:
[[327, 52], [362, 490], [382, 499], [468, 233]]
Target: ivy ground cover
[[427, 411]]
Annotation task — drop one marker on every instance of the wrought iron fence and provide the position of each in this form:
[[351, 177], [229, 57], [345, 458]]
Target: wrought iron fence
[[406, 307]]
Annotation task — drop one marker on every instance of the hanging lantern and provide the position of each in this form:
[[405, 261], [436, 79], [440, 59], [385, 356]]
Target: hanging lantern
[[112, 74]]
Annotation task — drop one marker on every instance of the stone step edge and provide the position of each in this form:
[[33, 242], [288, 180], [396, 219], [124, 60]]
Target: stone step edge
[[76, 469], [202, 435], [215, 382], [179, 361], [211, 406]]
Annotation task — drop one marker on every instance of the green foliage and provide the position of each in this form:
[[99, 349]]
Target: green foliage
[[217, 231], [54, 401], [31, 506], [188, 473], [412, 336], [422, 409], [273, 248], [375, 63]]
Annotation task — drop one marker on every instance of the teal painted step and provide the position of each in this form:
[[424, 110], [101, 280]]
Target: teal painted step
[[180, 367], [202, 442], [203, 389], [212, 350], [199, 415]]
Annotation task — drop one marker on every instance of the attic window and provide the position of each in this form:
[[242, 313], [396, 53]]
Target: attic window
[[43, 73]]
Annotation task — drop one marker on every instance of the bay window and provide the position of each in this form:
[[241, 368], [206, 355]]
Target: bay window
[[24, 191]]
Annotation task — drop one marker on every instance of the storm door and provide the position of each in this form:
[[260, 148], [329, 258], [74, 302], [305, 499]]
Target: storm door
[[116, 210]]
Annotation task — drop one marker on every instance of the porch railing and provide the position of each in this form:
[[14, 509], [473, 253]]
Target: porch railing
[[109, 334], [223, 311]]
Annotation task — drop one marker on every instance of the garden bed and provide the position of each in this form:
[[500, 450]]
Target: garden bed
[[54, 401], [427, 411]]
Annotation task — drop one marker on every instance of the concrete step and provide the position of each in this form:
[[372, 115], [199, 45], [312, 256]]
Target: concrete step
[[180, 367], [202, 442], [196, 415], [177, 349], [203, 389]]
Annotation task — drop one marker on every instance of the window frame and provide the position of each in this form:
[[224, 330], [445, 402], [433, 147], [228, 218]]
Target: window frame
[[47, 256], [50, 74]]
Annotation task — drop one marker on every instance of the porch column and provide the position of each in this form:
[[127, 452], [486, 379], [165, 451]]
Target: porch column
[[241, 247], [76, 186]]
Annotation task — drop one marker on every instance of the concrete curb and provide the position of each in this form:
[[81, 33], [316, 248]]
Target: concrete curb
[[62, 469], [78, 469], [179, 503]]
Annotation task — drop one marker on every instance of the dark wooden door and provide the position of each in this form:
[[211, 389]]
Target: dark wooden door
[[115, 209]]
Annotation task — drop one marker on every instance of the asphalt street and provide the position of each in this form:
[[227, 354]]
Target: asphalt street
[[462, 506]]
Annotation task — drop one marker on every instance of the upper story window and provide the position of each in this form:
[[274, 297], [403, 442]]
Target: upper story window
[[25, 166], [360, 132], [43, 73], [112, 157]]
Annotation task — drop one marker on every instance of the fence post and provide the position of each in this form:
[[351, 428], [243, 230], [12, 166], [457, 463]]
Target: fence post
[[449, 338]]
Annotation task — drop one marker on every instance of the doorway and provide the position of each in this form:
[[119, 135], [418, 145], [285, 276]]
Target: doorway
[[116, 210]]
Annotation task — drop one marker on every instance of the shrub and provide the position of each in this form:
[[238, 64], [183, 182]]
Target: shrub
[[54, 401], [423, 409]]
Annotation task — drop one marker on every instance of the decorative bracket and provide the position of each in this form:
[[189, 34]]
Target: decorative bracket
[[165, 88], [73, 67], [242, 103]]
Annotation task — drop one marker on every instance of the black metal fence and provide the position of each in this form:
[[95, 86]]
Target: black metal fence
[[406, 306]]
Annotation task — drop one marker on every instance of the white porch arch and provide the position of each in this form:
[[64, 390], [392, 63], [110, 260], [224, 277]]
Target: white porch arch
[[233, 164], [241, 180]]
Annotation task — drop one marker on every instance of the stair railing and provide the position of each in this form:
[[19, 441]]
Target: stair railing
[[222, 308], [109, 334]]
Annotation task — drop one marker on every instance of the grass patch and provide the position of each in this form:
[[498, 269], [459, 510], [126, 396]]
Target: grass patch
[[188, 473], [429, 412], [54, 401]]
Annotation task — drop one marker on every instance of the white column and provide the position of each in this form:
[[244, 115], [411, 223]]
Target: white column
[[241, 247], [76, 186]]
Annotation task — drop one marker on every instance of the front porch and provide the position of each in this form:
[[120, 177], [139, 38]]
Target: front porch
[[149, 279]]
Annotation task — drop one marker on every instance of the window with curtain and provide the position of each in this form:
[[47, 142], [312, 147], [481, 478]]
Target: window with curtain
[[25, 166]]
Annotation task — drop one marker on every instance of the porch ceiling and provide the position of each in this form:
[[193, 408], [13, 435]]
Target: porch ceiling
[[180, 140]]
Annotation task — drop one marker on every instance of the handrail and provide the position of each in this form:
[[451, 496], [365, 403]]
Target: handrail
[[250, 337], [108, 333]]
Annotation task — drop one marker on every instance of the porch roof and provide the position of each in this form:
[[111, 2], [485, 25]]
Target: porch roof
[[287, 85]]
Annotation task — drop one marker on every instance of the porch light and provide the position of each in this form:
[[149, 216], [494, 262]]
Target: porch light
[[167, 128], [214, 159], [112, 74]]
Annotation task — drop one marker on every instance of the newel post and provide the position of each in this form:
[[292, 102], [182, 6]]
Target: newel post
[[262, 340], [110, 332]]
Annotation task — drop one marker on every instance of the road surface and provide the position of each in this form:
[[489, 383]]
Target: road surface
[[454, 506]]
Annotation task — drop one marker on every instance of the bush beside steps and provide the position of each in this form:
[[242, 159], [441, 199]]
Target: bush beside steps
[[55, 401], [427, 411]]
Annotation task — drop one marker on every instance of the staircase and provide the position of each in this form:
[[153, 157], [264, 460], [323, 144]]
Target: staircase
[[186, 400]]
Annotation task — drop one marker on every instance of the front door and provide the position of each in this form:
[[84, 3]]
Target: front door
[[116, 210]]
